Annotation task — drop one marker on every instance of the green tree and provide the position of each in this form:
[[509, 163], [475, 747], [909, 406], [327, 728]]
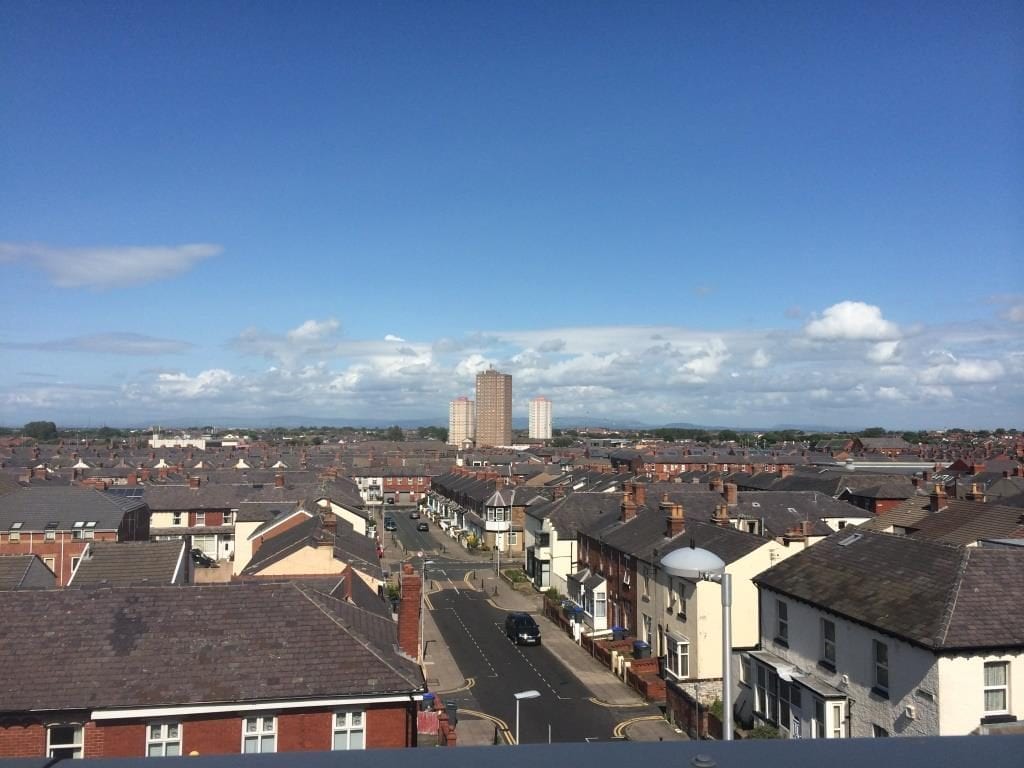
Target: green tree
[[437, 433], [728, 435], [394, 434], [40, 430], [106, 433], [561, 442], [873, 432]]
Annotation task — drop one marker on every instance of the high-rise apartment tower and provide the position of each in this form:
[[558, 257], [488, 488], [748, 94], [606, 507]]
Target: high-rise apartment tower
[[461, 421], [493, 408], [540, 418]]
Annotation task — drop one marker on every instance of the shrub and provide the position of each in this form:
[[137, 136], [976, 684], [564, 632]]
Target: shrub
[[764, 732], [552, 594]]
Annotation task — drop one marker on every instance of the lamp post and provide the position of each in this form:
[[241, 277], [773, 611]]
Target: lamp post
[[423, 607], [519, 697], [701, 565]]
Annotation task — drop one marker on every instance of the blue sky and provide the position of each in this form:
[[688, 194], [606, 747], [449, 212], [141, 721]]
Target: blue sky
[[727, 213]]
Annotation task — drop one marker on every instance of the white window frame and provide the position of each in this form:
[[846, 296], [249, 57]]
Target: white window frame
[[1003, 687], [76, 746], [50, 561], [677, 657], [229, 517], [880, 665], [837, 721], [164, 741], [513, 538], [177, 518], [600, 606], [782, 621], [200, 518], [261, 732], [828, 645], [345, 725], [820, 726]]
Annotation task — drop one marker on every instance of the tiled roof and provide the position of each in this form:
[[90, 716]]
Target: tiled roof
[[36, 507], [163, 646], [130, 563], [14, 570], [934, 595], [960, 522]]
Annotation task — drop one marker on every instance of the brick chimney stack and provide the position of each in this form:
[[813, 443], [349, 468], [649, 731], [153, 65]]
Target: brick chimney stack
[[558, 492], [937, 500], [977, 467], [279, 480], [145, 474], [409, 612], [193, 482], [675, 520], [731, 494], [640, 494], [628, 506], [785, 470], [717, 485], [721, 517]]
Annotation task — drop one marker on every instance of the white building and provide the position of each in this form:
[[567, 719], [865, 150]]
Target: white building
[[870, 634], [540, 418], [461, 421]]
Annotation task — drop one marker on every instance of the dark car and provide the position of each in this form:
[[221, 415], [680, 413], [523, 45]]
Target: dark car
[[414, 515], [423, 526], [390, 524], [202, 559], [520, 628]]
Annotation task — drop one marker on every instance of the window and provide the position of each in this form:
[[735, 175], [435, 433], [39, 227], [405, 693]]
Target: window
[[64, 741], [163, 740], [599, 606], [745, 670], [259, 734], [177, 519], [997, 687], [819, 720], [762, 683], [837, 721], [50, 532], [828, 642], [349, 731], [51, 563], [78, 529], [878, 731], [90, 530], [772, 712], [678, 661], [513, 538], [782, 621], [200, 518], [229, 517], [74, 563], [881, 655]]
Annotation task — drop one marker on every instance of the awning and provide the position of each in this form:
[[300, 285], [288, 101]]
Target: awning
[[580, 576], [789, 672]]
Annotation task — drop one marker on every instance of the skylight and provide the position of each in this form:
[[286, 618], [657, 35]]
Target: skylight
[[851, 539]]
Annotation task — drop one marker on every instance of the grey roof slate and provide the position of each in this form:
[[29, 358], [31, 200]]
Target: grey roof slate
[[123, 564], [163, 646], [934, 595], [24, 572], [35, 507]]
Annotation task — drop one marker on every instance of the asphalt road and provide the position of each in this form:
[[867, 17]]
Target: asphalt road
[[474, 633]]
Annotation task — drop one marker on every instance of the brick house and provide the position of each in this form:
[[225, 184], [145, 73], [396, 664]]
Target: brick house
[[238, 668], [57, 523]]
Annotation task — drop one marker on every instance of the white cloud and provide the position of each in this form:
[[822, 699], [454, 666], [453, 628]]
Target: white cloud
[[709, 361], [392, 337], [109, 266], [311, 330], [760, 359], [1015, 314], [884, 351], [852, 320], [105, 343], [890, 393], [968, 371], [210, 383]]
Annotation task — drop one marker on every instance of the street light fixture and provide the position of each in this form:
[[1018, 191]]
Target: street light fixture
[[423, 607], [519, 697], [700, 565]]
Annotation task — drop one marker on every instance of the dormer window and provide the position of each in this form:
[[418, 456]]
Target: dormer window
[[50, 532], [15, 533], [78, 530]]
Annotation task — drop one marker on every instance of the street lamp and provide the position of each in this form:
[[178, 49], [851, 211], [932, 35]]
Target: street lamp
[[701, 565], [519, 697], [423, 607]]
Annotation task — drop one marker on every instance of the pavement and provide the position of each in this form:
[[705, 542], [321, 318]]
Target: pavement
[[443, 674]]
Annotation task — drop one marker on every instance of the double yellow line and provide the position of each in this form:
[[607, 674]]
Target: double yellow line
[[619, 731], [501, 725]]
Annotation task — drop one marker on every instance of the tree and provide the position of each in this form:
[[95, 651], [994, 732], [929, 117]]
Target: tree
[[106, 433], [394, 434], [728, 435], [437, 433], [561, 442], [40, 430], [873, 432]]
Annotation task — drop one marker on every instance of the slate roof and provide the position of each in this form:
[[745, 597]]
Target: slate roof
[[131, 563], [15, 571], [35, 507], [934, 595], [164, 646], [348, 547], [577, 510], [961, 523]]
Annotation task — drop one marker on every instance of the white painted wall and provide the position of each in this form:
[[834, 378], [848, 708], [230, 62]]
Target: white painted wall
[[961, 691]]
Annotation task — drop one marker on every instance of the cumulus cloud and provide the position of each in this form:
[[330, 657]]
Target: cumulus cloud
[[109, 266], [853, 320], [760, 359], [968, 371], [884, 351], [1015, 314], [105, 343], [210, 383], [312, 330], [392, 337]]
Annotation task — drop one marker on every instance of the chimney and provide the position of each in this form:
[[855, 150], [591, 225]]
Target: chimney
[[717, 485], [163, 473], [675, 520], [349, 575], [39, 473], [721, 518], [1018, 471], [557, 492], [731, 494], [409, 612], [805, 528], [937, 500], [785, 470], [279, 480], [132, 479], [628, 507], [193, 482], [977, 468], [976, 493], [145, 474], [640, 494]]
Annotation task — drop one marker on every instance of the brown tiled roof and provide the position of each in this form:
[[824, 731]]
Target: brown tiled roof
[[163, 646], [959, 522], [934, 595], [116, 564]]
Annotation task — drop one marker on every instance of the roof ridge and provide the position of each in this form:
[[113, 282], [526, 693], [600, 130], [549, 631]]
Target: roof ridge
[[349, 630], [951, 601]]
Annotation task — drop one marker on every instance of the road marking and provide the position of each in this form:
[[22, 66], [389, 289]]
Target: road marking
[[598, 702], [470, 682], [526, 658], [426, 599], [620, 730], [502, 725]]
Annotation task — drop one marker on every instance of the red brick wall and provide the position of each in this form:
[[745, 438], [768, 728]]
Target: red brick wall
[[212, 517], [115, 739], [28, 740], [304, 731], [393, 726], [213, 735], [39, 546]]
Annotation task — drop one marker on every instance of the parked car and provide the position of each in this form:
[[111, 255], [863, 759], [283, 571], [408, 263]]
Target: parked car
[[414, 515], [202, 559], [423, 526], [521, 628], [391, 499], [390, 524]]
